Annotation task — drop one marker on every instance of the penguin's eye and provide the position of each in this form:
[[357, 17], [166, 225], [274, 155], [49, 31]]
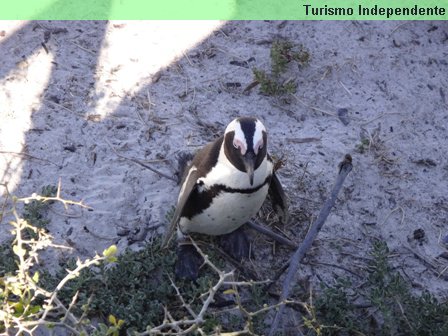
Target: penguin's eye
[[258, 146], [239, 145]]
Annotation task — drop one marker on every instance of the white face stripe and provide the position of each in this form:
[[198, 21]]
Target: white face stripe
[[231, 127], [258, 136], [241, 139]]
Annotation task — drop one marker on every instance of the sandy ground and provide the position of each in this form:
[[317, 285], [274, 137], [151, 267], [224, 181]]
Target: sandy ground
[[71, 90]]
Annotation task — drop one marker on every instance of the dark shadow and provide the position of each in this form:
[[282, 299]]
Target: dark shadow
[[38, 27], [49, 37]]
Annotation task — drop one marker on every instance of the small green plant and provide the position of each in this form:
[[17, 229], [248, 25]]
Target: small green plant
[[284, 52], [276, 83], [336, 308], [35, 210], [113, 329], [363, 146], [271, 86]]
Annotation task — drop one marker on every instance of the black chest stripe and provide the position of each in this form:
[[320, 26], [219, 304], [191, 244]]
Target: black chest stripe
[[200, 201]]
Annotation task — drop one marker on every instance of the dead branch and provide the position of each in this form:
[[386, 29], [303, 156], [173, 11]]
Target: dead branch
[[140, 163], [344, 169], [57, 198], [176, 327], [28, 257], [273, 235], [30, 157]]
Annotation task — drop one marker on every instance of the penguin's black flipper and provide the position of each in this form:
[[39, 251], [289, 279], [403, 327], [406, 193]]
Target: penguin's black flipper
[[236, 244], [188, 185], [278, 199], [188, 262], [196, 169], [184, 161]]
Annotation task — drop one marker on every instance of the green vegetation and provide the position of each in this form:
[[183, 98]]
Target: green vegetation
[[35, 211], [134, 289], [284, 52], [277, 82], [363, 146], [24, 304], [389, 308], [136, 292]]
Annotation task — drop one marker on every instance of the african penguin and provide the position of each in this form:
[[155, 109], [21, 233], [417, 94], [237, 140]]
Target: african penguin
[[224, 186]]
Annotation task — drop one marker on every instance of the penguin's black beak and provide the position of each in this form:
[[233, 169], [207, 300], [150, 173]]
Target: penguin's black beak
[[249, 164]]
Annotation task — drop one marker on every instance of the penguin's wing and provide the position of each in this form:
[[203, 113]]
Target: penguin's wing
[[278, 199], [188, 186]]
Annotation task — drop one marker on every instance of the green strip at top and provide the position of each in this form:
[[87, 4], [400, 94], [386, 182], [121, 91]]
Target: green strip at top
[[223, 10]]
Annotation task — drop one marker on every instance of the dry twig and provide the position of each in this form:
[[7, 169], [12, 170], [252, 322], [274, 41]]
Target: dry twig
[[27, 251], [140, 163], [187, 326], [58, 198], [344, 168], [273, 235], [29, 156]]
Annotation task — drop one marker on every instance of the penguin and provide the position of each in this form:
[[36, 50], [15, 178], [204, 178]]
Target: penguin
[[223, 187]]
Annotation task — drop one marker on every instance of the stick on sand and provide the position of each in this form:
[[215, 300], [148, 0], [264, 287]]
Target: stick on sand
[[344, 168]]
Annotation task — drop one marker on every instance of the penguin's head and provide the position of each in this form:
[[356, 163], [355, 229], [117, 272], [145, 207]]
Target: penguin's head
[[245, 142]]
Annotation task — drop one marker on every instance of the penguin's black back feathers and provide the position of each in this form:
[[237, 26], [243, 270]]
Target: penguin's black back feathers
[[205, 159]]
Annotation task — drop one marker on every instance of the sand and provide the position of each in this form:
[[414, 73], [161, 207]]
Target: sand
[[73, 92]]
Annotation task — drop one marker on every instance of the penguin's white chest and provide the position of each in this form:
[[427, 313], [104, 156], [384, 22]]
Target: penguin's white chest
[[227, 212], [235, 201]]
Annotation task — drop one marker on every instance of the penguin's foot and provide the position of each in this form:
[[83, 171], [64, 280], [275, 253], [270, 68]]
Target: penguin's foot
[[188, 262], [236, 244]]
